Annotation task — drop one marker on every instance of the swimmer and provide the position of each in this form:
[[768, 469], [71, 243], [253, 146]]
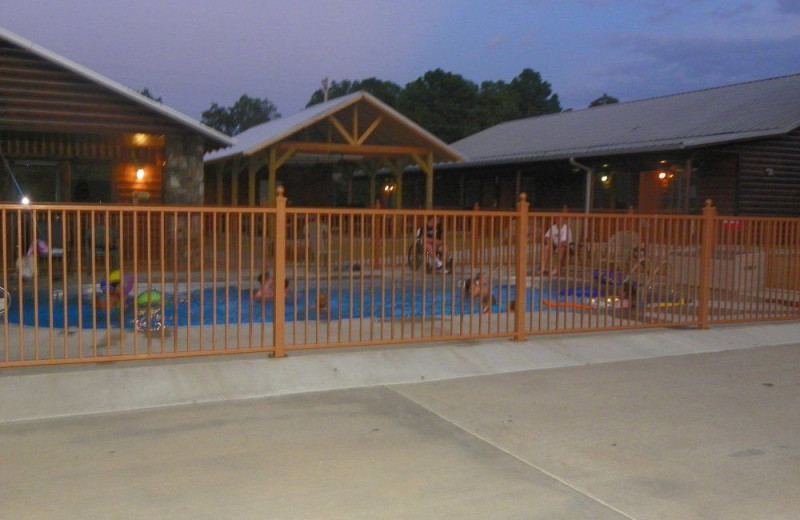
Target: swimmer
[[115, 290], [478, 289], [266, 289]]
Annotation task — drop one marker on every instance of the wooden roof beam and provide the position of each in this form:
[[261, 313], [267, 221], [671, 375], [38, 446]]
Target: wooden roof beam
[[350, 149]]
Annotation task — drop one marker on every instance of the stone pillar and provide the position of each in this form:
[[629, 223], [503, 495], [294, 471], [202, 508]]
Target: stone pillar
[[183, 171]]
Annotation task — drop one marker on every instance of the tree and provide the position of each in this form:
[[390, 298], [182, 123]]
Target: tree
[[443, 103], [496, 103], [146, 93], [386, 91], [534, 96], [246, 113], [605, 99]]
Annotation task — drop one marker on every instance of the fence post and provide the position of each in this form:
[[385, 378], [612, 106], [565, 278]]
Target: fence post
[[476, 219], [706, 250], [521, 267], [377, 236], [278, 319]]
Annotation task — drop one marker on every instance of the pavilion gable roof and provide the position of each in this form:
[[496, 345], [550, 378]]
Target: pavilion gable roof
[[384, 125]]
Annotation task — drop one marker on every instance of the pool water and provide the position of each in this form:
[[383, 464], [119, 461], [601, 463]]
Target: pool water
[[232, 305]]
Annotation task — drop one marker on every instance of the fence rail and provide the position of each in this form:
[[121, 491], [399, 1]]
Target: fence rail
[[89, 284]]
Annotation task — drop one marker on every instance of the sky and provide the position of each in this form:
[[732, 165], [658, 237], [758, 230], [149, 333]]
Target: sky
[[193, 53]]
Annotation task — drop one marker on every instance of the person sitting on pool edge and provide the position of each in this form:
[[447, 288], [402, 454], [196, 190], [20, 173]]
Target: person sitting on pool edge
[[478, 289], [556, 241]]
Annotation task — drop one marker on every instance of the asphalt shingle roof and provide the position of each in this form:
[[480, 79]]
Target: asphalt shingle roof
[[742, 111]]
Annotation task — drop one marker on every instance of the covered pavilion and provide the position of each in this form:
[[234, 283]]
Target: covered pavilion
[[356, 132]]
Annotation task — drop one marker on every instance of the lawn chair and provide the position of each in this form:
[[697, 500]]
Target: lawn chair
[[622, 251]]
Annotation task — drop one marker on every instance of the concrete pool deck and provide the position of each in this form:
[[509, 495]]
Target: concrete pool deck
[[645, 425], [44, 392]]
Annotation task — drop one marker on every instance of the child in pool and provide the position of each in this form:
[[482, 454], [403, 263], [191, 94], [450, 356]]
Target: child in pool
[[115, 291], [266, 288], [478, 289]]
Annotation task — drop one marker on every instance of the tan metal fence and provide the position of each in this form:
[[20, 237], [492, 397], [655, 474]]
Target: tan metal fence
[[108, 283]]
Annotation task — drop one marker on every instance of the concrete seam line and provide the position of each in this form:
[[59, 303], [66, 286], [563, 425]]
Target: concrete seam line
[[517, 457]]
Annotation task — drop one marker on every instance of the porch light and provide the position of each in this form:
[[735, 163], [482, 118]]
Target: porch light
[[605, 179], [662, 175], [140, 174], [388, 188], [25, 200]]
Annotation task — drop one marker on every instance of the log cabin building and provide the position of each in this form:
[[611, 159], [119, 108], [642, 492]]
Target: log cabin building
[[68, 134]]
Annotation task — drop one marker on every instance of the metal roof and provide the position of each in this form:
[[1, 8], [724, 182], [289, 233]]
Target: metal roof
[[209, 133], [395, 129], [743, 111]]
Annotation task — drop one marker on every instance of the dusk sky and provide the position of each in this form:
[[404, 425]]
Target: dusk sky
[[193, 53]]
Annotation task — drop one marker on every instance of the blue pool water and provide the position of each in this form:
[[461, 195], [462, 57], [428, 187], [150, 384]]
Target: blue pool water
[[232, 305]]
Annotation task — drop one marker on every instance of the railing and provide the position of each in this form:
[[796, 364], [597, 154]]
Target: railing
[[109, 283]]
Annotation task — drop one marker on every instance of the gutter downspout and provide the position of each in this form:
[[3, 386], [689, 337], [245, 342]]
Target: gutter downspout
[[587, 205]]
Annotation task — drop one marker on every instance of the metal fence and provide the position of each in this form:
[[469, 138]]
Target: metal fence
[[108, 283]]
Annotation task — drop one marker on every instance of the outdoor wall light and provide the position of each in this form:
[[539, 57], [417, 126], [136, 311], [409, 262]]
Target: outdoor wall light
[[140, 174], [662, 175], [388, 188], [605, 179], [25, 200]]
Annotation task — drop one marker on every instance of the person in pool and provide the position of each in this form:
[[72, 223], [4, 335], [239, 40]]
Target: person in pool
[[479, 290], [116, 290], [266, 287]]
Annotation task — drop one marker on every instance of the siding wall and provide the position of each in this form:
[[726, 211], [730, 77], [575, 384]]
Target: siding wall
[[775, 194]]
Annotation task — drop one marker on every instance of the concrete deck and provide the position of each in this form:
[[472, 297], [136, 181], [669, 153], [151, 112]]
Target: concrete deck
[[658, 424]]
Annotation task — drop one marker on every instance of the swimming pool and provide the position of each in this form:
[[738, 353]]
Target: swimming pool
[[233, 305]]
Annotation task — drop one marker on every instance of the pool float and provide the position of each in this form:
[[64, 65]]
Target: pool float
[[565, 305], [610, 303], [663, 305], [149, 297], [149, 316]]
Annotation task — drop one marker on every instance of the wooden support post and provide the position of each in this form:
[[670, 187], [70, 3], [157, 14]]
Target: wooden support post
[[278, 321], [706, 252], [521, 267], [272, 177], [220, 170], [371, 176], [235, 182], [428, 169], [252, 169]]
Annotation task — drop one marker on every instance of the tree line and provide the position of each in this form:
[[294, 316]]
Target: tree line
[[446, 104]]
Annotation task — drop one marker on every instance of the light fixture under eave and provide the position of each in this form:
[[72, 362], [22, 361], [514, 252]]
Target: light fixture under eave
[[25, 200], [140, 173], [662, 175]]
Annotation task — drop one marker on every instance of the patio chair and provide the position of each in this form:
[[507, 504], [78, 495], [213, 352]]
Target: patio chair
[[622, 251]]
